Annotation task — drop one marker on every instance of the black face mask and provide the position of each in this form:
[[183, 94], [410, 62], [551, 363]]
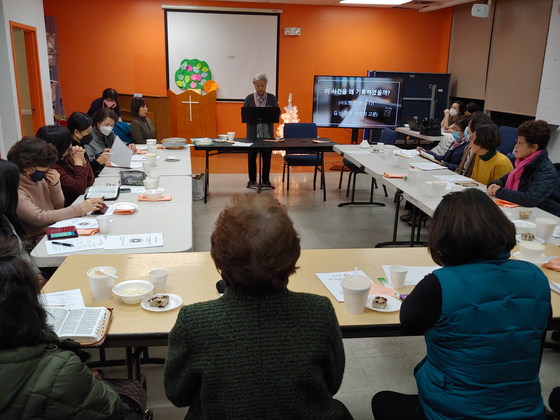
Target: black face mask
[[86, 139]]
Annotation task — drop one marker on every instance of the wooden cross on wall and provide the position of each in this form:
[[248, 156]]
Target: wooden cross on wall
[[190, 102]]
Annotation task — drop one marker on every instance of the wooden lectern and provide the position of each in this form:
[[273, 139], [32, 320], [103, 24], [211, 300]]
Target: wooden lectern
[[193, 115]]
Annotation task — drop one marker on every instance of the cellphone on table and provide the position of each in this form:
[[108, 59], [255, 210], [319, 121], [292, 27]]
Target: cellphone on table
[[61, 233]]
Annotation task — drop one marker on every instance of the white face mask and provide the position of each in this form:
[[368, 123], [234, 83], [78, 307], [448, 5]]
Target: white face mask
[[452, 112], [106, 129]]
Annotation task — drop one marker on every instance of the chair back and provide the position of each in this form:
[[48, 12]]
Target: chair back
[[388, 136], [509, 137], [300, 131]]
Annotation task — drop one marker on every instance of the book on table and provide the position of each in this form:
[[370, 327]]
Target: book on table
[[87, 326]]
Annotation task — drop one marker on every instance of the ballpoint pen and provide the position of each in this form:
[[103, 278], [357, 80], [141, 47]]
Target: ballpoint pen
[[62, 243]]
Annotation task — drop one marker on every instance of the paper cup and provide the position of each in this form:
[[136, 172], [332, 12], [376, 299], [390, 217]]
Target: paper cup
[[356, 291], [101, 284], [545, 228], [530, 250], [438, 188], [402, 162], [413, 175], [103, 223], [152, 158], [151, 184], [146, 166], [159, 279], [388, 151], [151, 142], [398, 275], [152, 149], [231, 135]]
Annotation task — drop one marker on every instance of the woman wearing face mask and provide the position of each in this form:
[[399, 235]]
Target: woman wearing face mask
[[452, 157], [466, 165], [108, 100], [450, 115], [40, 197], [74, 169], [80, 125]]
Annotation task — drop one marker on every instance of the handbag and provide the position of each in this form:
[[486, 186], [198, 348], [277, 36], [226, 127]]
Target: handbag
[[430, 127], [134, 398]]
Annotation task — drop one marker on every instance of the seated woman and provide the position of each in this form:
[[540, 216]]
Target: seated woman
[[484, 320], [450, 115], [467, 161], [41, 201], [141, 127], [256, 352], [489, 164], [534, 181], [471, 108], [80, 125], [74, 169], [42, 376], [103, 138], [452, 157], [109, 100]]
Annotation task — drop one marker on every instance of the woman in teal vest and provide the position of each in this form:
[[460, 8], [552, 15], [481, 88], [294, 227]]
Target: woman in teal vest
[[484, 317]]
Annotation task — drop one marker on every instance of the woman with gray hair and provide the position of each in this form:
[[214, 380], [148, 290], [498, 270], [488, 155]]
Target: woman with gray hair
[[260, 131]]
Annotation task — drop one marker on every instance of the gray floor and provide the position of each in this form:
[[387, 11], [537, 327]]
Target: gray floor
[[372, 364]]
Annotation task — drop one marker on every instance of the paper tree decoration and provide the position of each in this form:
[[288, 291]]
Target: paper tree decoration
[[192, 74], [290, 116]]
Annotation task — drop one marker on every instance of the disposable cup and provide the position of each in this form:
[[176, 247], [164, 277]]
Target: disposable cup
[[413, 175], [146, 166], [151, 142], [103, 222], [438, 188], [356, 291], [545, 228], [403, 162], [151, 184], [152, 149], [101, 284], [159, 279], [530, 250], [152, 158], [398, 276], [231, 135], [388, 151]]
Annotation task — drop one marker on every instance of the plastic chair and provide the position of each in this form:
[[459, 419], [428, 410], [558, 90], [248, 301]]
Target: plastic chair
[[509, 138], [388, 136], [301, 157]]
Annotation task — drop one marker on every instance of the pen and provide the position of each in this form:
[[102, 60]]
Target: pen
[[62, 243]]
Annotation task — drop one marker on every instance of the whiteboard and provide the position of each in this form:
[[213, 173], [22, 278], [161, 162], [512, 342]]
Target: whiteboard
[[235, 45]]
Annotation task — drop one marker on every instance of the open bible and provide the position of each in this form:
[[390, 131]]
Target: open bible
[[88, 326]]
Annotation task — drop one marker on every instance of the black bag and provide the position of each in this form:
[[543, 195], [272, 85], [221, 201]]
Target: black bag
[[430, 127], [133, 397]]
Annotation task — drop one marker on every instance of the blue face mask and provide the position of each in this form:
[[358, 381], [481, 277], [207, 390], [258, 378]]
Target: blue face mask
[[467, 133], [37, 176], [456, 135]]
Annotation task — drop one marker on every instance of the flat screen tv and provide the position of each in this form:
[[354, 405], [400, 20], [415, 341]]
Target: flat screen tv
[[357, 102]]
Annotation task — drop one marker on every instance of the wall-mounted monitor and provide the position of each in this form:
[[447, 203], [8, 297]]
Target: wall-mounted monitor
[[357, 102]]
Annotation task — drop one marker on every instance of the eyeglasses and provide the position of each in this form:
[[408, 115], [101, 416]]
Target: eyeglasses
[[520, 143]]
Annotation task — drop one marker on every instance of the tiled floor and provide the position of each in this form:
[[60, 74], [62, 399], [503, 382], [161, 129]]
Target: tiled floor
[[372, 364]]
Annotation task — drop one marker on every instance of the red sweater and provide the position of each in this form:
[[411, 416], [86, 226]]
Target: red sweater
[[74, 179]]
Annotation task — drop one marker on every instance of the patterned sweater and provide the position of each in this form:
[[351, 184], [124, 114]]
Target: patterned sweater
[[272, 356]]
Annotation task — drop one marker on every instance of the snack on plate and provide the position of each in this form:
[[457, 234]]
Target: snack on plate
[[525, 214], [379, 302], [527, 236], [160, 301]]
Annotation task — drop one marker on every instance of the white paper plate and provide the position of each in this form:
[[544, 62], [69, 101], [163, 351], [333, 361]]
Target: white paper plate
[[393, 304], [536, 240], [125, 206], [172, 159], [174, 302], [542, 260]]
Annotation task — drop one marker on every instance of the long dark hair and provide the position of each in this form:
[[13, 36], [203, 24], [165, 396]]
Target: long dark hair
[[9, 183], [468, 227], [57, 135], [22, 318]]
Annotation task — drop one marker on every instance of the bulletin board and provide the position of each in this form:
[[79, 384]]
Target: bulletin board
[[235, 45], [418, 91]]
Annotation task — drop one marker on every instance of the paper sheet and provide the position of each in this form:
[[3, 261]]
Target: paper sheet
[[239, 144], [79, 222], [414, 275], [332, 281], [83, 243], [555, 287], [69, 299], [358, 152], [121, 155], [427, 166], [454, 178], [141, 240]]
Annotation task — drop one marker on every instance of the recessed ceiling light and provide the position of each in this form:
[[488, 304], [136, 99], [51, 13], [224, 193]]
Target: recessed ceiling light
[[376, 2]]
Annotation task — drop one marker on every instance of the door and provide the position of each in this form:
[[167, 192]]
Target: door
[[28, 78]]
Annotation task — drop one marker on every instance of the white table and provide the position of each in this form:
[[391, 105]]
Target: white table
[[183, 167], [180, 187]]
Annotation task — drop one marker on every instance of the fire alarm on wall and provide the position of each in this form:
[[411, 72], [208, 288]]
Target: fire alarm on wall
[[480, 10]]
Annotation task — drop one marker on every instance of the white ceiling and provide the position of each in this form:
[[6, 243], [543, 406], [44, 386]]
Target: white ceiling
[[422, 5]]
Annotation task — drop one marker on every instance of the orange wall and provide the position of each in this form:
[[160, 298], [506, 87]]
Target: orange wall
[[121, 44]]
